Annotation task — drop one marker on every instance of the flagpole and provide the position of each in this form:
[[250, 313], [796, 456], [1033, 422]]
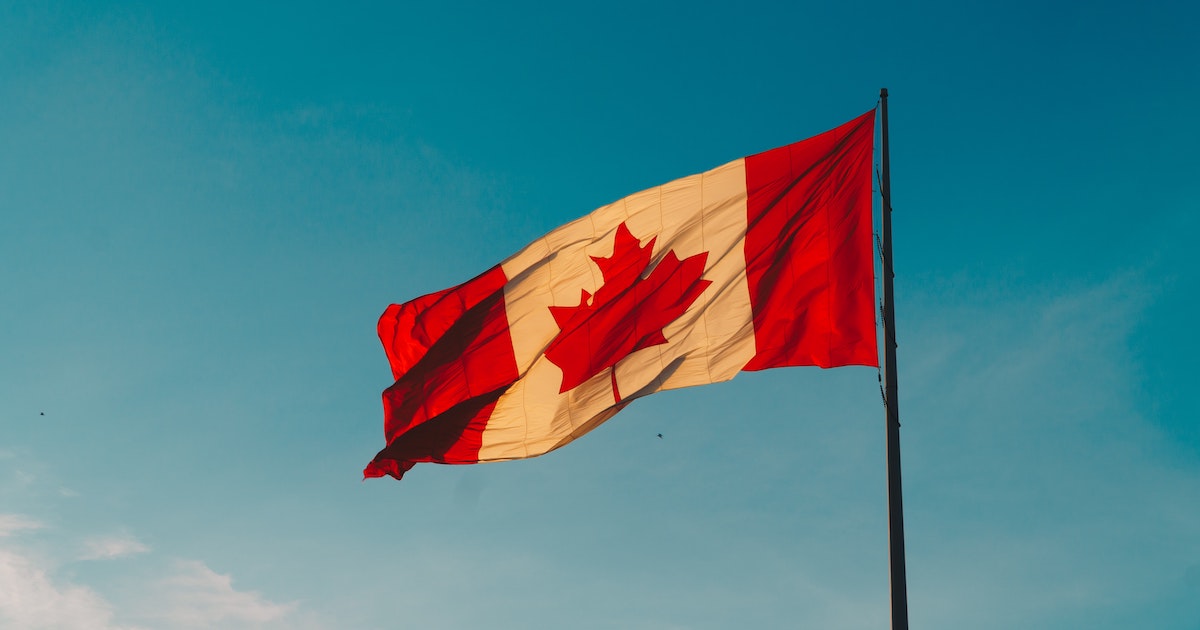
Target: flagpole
[[899, 587]]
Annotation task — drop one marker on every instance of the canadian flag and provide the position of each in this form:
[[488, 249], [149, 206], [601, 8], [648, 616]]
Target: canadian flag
[[763, 262]]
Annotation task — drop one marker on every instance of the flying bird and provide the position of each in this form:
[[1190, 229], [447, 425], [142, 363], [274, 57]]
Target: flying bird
[[660, 436]]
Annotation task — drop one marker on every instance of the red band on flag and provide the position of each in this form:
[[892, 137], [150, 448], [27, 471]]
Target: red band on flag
[[808, 250], [452, 357]]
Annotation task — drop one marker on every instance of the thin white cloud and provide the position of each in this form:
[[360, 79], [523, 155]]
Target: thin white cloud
[[190, 596], [181, 595], [195, 596], [30, 600], [12, 523], [108, 547]]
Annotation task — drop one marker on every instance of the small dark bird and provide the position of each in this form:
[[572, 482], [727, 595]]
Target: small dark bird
[[660, 436], [44, 413]]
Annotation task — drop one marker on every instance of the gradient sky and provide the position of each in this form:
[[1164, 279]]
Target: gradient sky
[[206, 206]]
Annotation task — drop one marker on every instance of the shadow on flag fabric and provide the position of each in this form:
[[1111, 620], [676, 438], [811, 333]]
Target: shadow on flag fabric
[[763, 262]]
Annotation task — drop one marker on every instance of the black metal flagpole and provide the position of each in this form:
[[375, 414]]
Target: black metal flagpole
[[899, 587]]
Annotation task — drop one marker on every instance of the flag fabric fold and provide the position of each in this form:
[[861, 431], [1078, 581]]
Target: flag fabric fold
[[763, 262]]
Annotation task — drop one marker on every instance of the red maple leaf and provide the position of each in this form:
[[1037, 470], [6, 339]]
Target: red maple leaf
[[627, 313]]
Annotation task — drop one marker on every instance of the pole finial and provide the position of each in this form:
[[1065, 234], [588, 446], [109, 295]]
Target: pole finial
[[882, 92]]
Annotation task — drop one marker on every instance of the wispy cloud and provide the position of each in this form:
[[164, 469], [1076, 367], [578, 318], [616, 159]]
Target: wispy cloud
[[12, 523], [195, 596], [191, 595], [35, 593], [108, 547], [30, 599]]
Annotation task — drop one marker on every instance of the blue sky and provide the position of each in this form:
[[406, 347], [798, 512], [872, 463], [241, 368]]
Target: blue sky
[[206, 207]]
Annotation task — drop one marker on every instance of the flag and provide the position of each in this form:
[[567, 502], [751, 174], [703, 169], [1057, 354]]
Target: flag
[[763, 262]]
